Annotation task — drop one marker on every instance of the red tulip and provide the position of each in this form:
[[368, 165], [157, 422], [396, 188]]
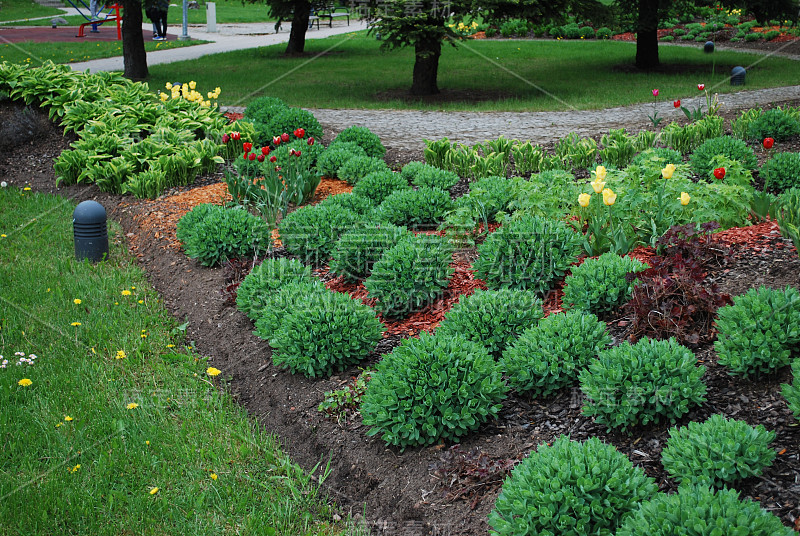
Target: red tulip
[[719, 173], [260, 158], [677, 103], [276, 141], [265, 151], [247, 146], [244, 156], [235, 136], [252, 156], [310, 141], [701, 87], [297, 153], [273, 159], [768, 143], [284, 137], [300, 132], [225, 138]]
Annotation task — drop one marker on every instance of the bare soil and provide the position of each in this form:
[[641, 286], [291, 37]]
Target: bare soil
[[422, 491]]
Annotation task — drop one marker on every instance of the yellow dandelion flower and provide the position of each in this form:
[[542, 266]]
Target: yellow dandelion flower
[[67, 418], [27, 188], [25, 382], [75, 324], [126, 292], [133, 288], [76, 301], [121, 354], [170, 346], [153, 491], [211, 371], [4, 236], [75, 468], [147, 442], [213, 476], [132, 405], [59, 424]]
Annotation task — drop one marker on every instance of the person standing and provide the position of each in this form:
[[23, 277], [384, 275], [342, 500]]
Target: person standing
[[157, 12]]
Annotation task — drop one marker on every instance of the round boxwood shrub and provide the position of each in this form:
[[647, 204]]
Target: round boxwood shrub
[[782, 172], [604, 33], [356, 203], [290, 119], [379, 185], [215, 234], [325, 334], [791, 392], [570, 489], [492, 318], [640, 383], [550, 355], [758, 333], [265, 279], [263, 109], [275, 306], [410, 275], [775, 124], [599, 285], [358, 167], [415, 208], [528, 253], [587, 32], [335, 156], [311, 232], [700, 510], [432, 388], [360, 248], [363, 137], [717, 451], [420, 174], [729, 146]]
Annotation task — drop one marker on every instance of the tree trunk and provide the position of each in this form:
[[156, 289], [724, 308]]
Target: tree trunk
[[133, 53], [426, 67], [297, 36], [647, 35]]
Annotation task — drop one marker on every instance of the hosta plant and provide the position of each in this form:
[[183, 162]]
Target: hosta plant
[[411, 275], [360, 248], [650, 381], [791, 392], [325, 334], [570, 489], [759, 332], [700, 511], [364, 138], [600, 285], [224, 233], [358, 167], [550, 355], [492, 318], [717, 451], [415, 208], [265, 279], [311, 232], [432, 388], [528, 253], [379, 185]]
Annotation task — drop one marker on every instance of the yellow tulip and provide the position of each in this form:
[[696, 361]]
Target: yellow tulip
[[609, 197], [192, 84], [169, 85], [597, 185], [600, 172], [583, 200], [685, 198], [164, 97], [668, 170]]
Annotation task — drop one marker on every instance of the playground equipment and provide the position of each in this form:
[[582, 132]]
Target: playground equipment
[[112, 15]]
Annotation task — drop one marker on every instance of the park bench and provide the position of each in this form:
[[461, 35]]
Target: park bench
[[327, 12]]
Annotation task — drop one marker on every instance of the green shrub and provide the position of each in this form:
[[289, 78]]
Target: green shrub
[[642, 383], [782, 171], [668, 38], [717, 451], [733, 148], [492, 318], [432, 388], [274, 307], [555, 32], [571, 30], [676, 32], [759, 331], [775, 123], [415, 208], [491, 32], [358, 167], [772, 34], [219, 234], [335, 156], [378, 185], [311, 232], [187, 223], [360, 248], [696, 510], [411, 275], [289, 120], [657, 156], [420, 174], [604, 33], [356, 203], [487, 197], [752, 36], [364, 138], [570, 489], [599, 285], [791, 392], [308, 153], [265, 279], [326, 334], [549, 356], [263, 109], [587, 32], [528, 253]]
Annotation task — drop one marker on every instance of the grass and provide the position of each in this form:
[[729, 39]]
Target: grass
[[77, 456], [22, 9], [228, 11], [37, 53], [351, 72]]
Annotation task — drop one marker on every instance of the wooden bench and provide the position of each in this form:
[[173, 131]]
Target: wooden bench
[[328, 12]]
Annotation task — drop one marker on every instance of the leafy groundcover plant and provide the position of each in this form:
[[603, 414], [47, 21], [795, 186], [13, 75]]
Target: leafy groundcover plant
[[311, 232], [364, 138], [335, 156], [275, 306], [600, 285], [359, 249], [265, 279], [415, 208], [717, 451], [550, 355], [646, 382], [432, 388], [570, 489], [791, 392], [379, 185]]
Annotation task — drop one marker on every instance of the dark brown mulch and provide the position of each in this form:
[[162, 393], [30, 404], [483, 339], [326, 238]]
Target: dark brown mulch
[[407, 492]]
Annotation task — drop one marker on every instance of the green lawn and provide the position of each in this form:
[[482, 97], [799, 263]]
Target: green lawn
[[37, 53], [23, 9], [117, 427], [533, 75]]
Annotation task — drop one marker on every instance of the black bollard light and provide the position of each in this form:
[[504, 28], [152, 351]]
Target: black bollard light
[[708, 48], [737, 76], [90, 230]]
